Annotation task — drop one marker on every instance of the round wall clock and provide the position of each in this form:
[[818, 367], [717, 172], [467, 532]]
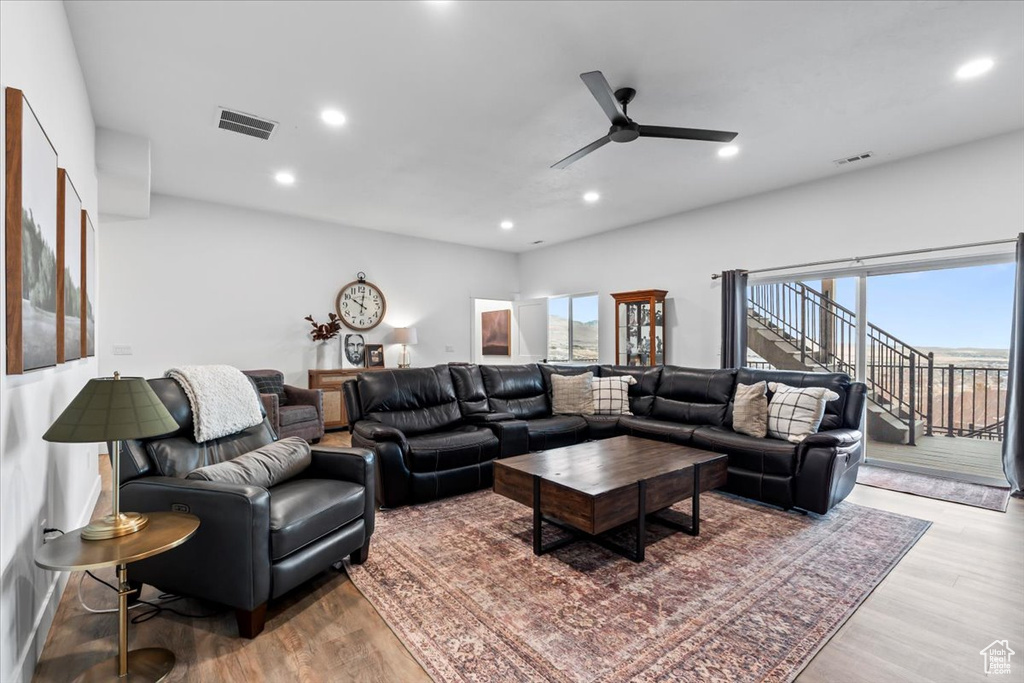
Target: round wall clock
[[361, 304]]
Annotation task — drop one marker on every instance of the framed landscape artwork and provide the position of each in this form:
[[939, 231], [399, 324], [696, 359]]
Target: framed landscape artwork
[[31, 239], [496, 332], [69, 270], [90, 288]]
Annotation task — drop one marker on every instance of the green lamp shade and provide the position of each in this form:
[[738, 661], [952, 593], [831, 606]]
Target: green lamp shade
[[109, 409]]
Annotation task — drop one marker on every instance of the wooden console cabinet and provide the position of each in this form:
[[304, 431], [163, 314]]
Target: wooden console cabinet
[[330, 381]]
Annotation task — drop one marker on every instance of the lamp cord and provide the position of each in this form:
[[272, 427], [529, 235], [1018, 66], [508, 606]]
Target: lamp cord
[[155, 608]]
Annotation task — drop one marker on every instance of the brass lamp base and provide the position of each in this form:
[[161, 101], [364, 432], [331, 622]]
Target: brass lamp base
[[113, 526], [148, 665]]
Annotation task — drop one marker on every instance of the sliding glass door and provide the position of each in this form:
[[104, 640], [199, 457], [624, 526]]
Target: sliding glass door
[[938, 350], [931, 345]]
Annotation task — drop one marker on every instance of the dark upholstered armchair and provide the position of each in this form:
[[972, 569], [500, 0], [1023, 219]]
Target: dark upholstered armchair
[[253, 543], [292, 411]]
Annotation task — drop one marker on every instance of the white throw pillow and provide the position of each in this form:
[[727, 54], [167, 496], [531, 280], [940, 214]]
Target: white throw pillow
[[795, 413], [611, 394]]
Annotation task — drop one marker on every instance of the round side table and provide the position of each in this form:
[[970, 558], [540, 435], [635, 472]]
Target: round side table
[[69, 552]]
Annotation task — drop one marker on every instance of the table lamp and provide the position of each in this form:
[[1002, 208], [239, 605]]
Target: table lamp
[[112, 409], [406, 336]]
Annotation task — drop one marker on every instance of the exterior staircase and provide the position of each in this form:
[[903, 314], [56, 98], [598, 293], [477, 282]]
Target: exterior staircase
[[795, 327]]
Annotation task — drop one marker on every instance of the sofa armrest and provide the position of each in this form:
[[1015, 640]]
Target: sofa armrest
[[827, 465], [347, 464], [513, 435], [834, 437], [305, 397], [487, 418], [271, 404], [228, 558], [371, 430]]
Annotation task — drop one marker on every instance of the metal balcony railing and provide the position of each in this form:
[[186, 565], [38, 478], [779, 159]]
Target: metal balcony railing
[[904, 381]]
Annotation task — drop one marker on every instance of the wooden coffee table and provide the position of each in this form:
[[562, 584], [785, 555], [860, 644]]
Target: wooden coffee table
[[595, 487]]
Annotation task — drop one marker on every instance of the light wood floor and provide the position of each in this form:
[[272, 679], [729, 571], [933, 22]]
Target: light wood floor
[[976, 460], [957, 590]]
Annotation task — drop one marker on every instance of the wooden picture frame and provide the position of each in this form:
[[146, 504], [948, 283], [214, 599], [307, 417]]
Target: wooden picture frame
[[69, 269], [90, 286], [496, 333], [374, 355], [30, 239]]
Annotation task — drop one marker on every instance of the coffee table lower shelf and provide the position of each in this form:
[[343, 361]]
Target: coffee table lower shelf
[[636, 554]]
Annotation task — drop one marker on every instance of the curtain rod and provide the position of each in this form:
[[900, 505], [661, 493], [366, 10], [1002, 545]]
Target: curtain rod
[[716, 276]]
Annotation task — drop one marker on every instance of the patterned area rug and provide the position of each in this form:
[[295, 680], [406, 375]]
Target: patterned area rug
[[753, 598], [988, 497]]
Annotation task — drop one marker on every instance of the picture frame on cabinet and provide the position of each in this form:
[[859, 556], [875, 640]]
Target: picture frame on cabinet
[[374, 355]]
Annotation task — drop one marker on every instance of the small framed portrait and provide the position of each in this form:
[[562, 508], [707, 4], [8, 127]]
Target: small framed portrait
[[374, 355]]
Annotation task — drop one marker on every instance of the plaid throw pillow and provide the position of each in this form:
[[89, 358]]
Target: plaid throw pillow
[[750, 409], [270, 384], [572, 394], [611, 395], [794, 414]]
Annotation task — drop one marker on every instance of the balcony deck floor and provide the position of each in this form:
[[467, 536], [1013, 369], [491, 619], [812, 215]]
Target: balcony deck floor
[[975, 460]]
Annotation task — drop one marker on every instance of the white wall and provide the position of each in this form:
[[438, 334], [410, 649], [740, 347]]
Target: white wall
[[962, 194], [205, 283], [38, 480]]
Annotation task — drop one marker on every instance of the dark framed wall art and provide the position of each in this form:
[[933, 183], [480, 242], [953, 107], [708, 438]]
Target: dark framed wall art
[[69, 269], [31, 239], [496, 333], [90, 287]]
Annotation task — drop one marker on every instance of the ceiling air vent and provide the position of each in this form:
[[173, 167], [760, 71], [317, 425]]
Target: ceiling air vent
[[246, 124], [850, 160]]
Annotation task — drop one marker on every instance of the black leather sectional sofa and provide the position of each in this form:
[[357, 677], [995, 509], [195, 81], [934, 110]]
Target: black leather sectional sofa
[[437, 430]]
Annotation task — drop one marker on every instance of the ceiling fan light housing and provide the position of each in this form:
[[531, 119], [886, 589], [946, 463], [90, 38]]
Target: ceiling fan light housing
[[626, 132]]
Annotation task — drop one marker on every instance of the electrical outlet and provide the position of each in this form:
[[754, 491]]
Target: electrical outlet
[[449, 348], [122, 350]]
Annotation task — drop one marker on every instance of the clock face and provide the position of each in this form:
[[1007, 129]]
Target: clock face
[[361, 305]]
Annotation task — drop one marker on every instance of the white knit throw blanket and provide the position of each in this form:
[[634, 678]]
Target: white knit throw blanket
[[223, 399]]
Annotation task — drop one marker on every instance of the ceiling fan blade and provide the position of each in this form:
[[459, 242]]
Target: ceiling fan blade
[[686, 134], [602, 92], [579, 154]]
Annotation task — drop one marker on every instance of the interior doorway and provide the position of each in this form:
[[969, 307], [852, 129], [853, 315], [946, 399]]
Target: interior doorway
[[527, 331]]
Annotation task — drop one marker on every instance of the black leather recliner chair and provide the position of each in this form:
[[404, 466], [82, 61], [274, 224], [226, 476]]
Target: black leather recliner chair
[[253, 544], [427, 450]]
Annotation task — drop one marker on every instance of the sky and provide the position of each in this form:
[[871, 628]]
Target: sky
[[951, 308]]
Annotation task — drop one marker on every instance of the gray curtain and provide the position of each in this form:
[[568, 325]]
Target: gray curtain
[[1013, 442], [734, 318]]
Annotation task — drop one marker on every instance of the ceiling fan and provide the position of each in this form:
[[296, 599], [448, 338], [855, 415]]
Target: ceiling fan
[[625, 129]]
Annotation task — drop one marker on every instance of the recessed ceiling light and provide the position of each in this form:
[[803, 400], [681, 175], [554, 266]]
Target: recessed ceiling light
[[591, 197], [332, 117], [507, 225], [285, 178], [975, 68], [729, 151]]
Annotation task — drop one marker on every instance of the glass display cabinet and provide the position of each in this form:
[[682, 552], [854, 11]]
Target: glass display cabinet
[[640, 327]]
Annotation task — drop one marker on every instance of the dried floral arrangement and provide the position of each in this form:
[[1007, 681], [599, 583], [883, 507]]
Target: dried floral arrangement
[[325, 331]]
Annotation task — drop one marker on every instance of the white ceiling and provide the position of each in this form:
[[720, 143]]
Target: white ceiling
[[456, 111]]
